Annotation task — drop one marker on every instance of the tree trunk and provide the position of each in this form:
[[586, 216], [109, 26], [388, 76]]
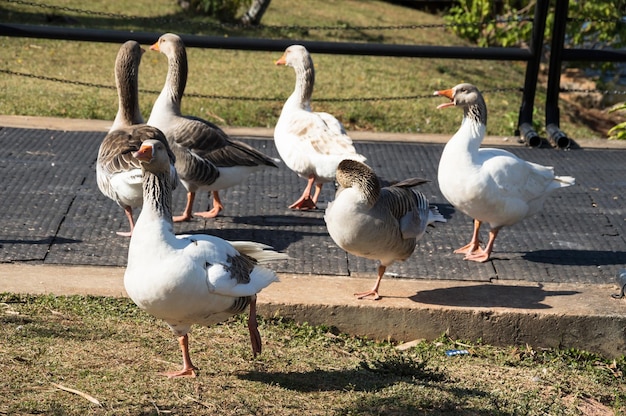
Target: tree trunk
[[254, 14]]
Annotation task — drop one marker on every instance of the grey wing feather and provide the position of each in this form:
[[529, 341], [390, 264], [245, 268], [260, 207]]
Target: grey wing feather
[[116, 152], [409, 207], [190, 166], [411, 182], [210, 142]]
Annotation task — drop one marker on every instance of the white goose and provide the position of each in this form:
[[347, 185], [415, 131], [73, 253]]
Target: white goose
[[206, 158], [377, 223], [193, 279], [118, 173], [311, 144], [490, 185]]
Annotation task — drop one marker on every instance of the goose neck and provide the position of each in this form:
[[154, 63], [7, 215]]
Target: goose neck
[[473, 127], [469, 136], [128, 113], [157, 196], [476, 112], [368, 186], [176, 79], [305, 81]]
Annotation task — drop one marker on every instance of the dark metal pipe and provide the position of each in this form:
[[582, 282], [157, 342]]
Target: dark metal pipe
[[555, 135], [255, 44], [525, 121], [530, 136]]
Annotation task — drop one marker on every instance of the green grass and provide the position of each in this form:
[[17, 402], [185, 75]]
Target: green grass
[[109, 349], [253, 74]]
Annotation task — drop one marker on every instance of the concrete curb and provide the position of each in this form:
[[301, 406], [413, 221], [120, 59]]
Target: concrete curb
[[542, 315]]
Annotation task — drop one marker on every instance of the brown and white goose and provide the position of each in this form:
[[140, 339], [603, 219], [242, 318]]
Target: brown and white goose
[[377, 223], [207, 159], [490, 185], [310, 143], [189, 279], [118, 173]]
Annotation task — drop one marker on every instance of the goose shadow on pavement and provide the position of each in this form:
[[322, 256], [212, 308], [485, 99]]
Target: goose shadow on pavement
[[490, 295], [576, 257]]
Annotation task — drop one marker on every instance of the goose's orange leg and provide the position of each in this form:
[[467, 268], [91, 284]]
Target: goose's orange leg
[[482, 256], [318, 190], [374, 292], [253, 327], [474, 243], [129, 214], [305, 202], [188, 368], [217, 207], [187, 212]]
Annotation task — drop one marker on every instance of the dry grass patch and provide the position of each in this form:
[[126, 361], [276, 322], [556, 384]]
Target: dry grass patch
[[102, 356]]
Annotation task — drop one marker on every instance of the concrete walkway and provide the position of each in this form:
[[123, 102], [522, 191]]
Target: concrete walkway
[[570, 305]]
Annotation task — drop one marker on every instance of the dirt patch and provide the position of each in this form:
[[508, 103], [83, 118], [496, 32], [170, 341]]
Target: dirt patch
[[589, 406], [586, 108]]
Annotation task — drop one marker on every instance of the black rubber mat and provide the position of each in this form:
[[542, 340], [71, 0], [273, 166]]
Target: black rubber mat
[[51, 211], [41, 175]]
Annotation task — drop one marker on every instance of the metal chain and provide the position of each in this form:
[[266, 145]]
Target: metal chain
[[64, 81], [328, 99], [410, 97], [514, 19], [240, 98], [153, 20], [396, 27], [589, 91], [595, 20], [70, 9]]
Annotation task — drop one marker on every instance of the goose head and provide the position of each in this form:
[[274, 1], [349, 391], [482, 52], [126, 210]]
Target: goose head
[[295, 56], [172, 46], [354, 174], [153, 157], [461, 95], [127, 62], [168, 44], [154, 154], [468, 97]]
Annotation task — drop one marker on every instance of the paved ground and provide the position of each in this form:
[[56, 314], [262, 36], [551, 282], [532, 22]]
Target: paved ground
[[562, 262]]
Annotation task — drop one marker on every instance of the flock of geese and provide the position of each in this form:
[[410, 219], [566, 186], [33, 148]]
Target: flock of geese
[[203, 279]]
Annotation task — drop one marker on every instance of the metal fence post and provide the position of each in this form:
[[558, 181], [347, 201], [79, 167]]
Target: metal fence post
[[555, 135], [525, 121]]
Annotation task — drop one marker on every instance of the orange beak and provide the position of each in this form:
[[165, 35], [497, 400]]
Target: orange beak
[[449, 93], [144, 154], [282, 60], [155, 47]]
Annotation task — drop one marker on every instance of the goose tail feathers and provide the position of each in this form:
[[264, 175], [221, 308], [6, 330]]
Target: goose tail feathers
[[565, 180], [435, 216], [259, 251]]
